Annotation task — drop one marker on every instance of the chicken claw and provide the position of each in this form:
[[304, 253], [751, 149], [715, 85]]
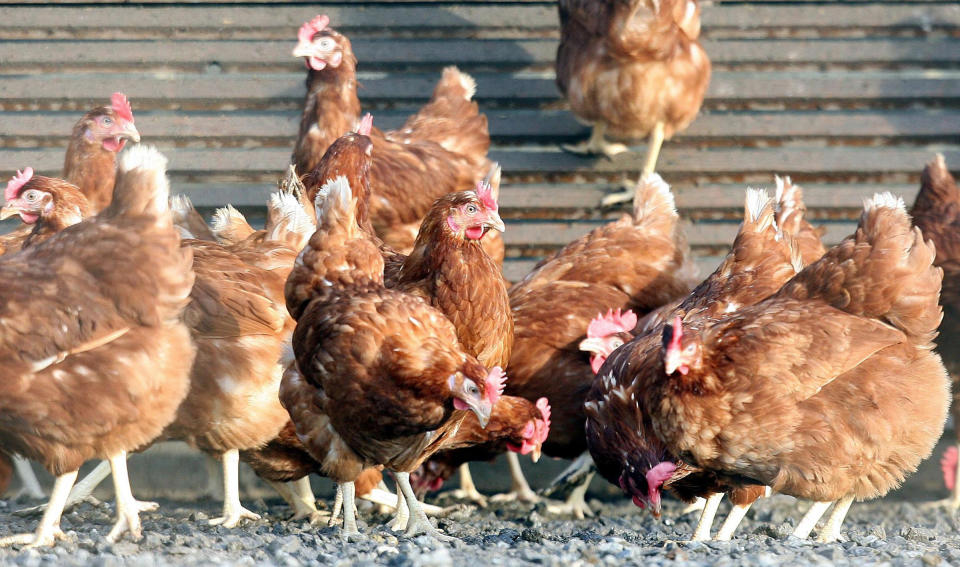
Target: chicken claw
[[596, 144], [418, 522], [468, 490], [233, 511], [520, 491], [49, 529], [576, 504]]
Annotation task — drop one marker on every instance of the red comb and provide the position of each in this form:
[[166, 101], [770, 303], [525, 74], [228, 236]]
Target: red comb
[[16, 182], [485, 192], [677, 334], [308, 29], [120, 105], [366, 124], [949, 465], [612, 323], [496, 382]]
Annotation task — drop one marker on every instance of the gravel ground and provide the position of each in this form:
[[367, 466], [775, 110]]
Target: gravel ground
[[887, 532]]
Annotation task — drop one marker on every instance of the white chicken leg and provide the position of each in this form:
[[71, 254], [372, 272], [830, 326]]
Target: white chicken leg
[[418, 523], [29, 485], [702, 533], [831, 532], [520, 489], [576, 503], [233, 511], [810, 519], [49, 529], [468, 490], [83, 492], [733, 520], [128, 508]]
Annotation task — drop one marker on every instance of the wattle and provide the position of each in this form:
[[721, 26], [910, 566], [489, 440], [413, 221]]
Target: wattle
[[475, 232]]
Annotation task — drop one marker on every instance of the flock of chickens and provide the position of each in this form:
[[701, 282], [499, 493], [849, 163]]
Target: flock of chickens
[[368, 325]]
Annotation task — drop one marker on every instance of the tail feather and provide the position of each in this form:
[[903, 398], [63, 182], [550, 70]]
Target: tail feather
[[288, 222], [653, 202], [229, 226], [336, 206], [188, 220], [791, 211], [885, 270], [141, 186]]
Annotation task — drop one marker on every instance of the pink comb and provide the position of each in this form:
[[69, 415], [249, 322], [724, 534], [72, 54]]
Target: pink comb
[[366, 124], [612, 323], [496, 382], [485, 192], [16, 182], [309, 29], [120, 105], [949, 465]]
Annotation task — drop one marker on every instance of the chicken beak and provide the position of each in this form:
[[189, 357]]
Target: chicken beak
[[671, 362], [535, 454], [495, 222], [130, 131], [303, 49], [8, 211], [483, 411], [594, 345]]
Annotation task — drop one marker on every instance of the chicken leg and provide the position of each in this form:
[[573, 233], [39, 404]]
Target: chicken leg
[[519, 490], [349, 491], [233, 511], [702, 533], [694, 506], [29, 485], [468, 490], [300, 498], [576, 503], [83, 492], [649, 166], [831, 532], [400, 520], [596, 143], [49, 529], [128, 508], [810, 519], [418, 523], [733, 520]]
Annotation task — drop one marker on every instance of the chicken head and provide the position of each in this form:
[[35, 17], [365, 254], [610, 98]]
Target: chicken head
[[535, 432], [319, 45], [606, 333], [469, 397]]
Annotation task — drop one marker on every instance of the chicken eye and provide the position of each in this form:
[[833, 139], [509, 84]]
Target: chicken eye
[[31, 195], [326, 43], [107, 121], [471, 209], [690, 348], [617, 343]]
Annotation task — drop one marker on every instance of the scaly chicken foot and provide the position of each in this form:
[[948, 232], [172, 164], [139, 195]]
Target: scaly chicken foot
[[418, 523], [596, 144], [48, 531], [831, 531], [399, 522], [349, 491], [233, 511], [29, 485], [468, 490], [128, 508], [300, 500], [576, 503], [520, 490]]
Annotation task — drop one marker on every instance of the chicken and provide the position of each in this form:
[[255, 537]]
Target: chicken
[[439, 150], [631, 68], [804, 389], [97, 360], [638, 262], [760, 261], [91, 158], [382, 378], [936, 212], [46, 205], [516, 424], [791, 218]]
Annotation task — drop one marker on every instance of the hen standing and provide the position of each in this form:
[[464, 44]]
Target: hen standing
[[92, 328], [382, 378], [631, 68], [936, 212], [439, 150]]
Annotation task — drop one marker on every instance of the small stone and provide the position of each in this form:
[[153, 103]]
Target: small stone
[[931, 559], [532, 535]]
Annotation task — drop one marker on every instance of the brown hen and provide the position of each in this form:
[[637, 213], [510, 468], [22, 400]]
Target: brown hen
[[46, 205], [110, 379], [439, 150], [631, 68]]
